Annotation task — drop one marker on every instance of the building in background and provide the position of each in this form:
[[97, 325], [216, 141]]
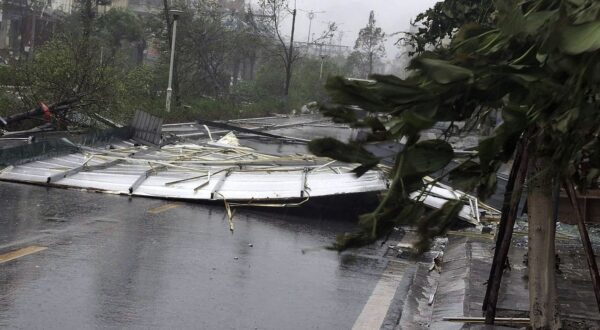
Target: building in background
[[140, 7], [233, 5], [322, 49], [26, 23]]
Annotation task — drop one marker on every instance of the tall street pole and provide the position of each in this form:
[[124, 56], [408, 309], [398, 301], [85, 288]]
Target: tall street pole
[[311, 15], [32, 45], [321, 73], [175, 14]]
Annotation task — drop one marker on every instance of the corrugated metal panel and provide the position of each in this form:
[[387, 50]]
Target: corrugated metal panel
[[147, 128], [182, 171]]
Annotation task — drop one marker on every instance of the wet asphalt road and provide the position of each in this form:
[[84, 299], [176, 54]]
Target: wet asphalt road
[[115, 262]]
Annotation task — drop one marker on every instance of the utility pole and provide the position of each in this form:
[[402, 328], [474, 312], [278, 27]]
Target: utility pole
[[32, 41], [36, 6], [311, 15], [321, 72], [340, 37], [175, 14]]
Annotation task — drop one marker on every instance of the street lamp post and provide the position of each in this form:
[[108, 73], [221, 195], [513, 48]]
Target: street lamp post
[[311, 15], [175, 14], [322, 60]]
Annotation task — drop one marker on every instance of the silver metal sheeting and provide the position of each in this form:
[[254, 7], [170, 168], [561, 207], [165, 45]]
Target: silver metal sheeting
[[211, 171]]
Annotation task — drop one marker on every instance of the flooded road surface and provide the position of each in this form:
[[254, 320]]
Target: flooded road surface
[[80, 260]]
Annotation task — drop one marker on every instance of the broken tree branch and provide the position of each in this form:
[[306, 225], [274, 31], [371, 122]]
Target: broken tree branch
[[38, 111]]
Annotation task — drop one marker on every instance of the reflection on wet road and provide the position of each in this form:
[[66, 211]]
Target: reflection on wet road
[[114, 262]]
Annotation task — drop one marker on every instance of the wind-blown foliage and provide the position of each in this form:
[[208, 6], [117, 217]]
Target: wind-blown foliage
[[68, 67], [441, 21], [539, 65]]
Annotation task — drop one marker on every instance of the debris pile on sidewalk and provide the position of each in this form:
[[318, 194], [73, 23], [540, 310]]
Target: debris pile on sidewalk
[[445, 287]]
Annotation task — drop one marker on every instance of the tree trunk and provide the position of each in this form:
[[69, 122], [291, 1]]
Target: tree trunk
[[370, 65], [543, 305]]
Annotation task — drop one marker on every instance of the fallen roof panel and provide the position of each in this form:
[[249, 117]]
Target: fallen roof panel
[[196, 172]]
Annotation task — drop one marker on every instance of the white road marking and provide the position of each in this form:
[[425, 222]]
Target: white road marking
[[164, 208], [20, 253], [376, 308]]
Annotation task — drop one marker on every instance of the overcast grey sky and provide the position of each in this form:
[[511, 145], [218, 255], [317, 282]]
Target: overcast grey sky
[[351, 15]]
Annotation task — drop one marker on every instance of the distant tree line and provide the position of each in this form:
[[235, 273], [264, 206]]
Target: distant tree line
[[228, 64]]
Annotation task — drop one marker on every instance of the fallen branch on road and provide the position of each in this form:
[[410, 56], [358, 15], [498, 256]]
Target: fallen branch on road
[[40, 110]]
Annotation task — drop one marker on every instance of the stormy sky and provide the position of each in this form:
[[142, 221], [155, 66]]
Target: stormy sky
[[351, 15]]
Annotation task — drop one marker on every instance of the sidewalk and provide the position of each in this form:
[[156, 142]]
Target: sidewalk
[[460, 286]]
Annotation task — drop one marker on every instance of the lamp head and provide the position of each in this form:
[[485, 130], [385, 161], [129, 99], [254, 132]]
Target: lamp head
[[175, 13]]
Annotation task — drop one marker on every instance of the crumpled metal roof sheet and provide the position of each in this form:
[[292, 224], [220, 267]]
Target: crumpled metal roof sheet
[[197, 172]]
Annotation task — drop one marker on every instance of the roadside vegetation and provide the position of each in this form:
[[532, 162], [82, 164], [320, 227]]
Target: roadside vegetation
[[227, 65], [536, 61]]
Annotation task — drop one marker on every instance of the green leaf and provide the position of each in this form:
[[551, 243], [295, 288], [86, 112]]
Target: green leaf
[[536, 20], [500, 146], [465, 176], [443, 72], [409, 123], [426, 157], [398, 91], [356, 93], [349, 153], [525, 78], [339, 113], [590, 13], [566, 121], [577, 39], [436, 223], [510, 18]]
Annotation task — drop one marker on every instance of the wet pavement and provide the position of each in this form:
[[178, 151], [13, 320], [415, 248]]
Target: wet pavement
[[115, 262]]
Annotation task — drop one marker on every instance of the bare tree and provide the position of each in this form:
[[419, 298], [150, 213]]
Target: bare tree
[[269, 23]]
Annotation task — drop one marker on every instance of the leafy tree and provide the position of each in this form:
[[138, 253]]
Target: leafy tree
[[68, 67], [306, 86], [117, 26], [370, 42], [211, 44], [356, 65], [540, 66], [440, 22], [86, 62], [204, 47]]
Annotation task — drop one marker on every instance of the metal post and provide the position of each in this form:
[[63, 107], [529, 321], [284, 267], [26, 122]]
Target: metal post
[[311, 15], [169, 88], [510, 207], [32, 42], [321, 73], [585, 239]]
